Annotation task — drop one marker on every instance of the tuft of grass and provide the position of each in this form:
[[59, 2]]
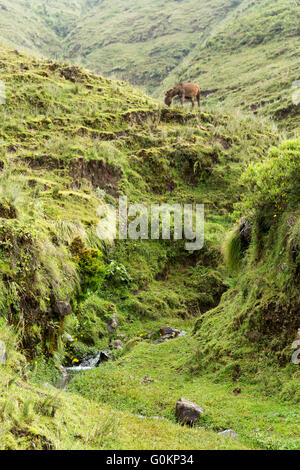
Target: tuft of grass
[[232, 250]]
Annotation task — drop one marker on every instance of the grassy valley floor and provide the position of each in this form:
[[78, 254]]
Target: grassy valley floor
[[112, 408], [260, 421]]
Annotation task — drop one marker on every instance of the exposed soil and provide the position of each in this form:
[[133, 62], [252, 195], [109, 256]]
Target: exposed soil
[[72, 73], [35, 441], [98, 172], [7, 210]]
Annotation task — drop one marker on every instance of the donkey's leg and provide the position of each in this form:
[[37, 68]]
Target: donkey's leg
[[198, 99], [182, 97], [193, 102]]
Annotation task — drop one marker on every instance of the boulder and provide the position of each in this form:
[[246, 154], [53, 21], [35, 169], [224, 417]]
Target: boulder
[[166, 330], [229, 433], [187, 412], [167, 333], [104, 356], [147, 380], [117, 344], [63, 308], [3, 355], [112, 324], [121, 336]]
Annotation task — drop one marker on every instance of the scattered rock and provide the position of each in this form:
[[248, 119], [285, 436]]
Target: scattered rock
[[117, 344], [3, 355], [68, 338], [237, 391], [167, 333], [63, 308], [187, 412], [112, 324], [229, 433], [104, 356], [166, 330], [147, 380]]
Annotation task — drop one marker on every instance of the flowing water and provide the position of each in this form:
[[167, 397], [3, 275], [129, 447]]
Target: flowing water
[[87, 364]]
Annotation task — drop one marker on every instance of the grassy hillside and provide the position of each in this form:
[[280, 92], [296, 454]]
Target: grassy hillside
[[72, 141], [102, 34], [39, 26], [241, 53], [143, 42], [251, 63]]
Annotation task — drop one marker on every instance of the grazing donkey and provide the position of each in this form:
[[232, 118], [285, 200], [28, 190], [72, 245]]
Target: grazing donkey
[[184, 90]]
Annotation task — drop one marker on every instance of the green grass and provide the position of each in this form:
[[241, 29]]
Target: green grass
[[43, 418], [71, 141], [250, 63], [60, 128], [241, 53], [260, 423]]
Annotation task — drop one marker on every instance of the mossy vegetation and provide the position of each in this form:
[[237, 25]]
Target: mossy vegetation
[[262, 306], [72, 141]]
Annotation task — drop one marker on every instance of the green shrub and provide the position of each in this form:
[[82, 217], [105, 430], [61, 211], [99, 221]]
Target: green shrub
[[90, 265], [92, 316], [272, 186]]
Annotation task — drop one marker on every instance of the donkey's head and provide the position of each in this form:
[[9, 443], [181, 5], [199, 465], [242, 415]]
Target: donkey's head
[[169, 97]]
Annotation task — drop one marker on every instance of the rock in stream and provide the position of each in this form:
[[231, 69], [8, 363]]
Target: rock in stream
[[87, 364]]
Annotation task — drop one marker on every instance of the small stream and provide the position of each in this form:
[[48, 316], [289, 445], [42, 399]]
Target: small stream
[[91, 362]]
